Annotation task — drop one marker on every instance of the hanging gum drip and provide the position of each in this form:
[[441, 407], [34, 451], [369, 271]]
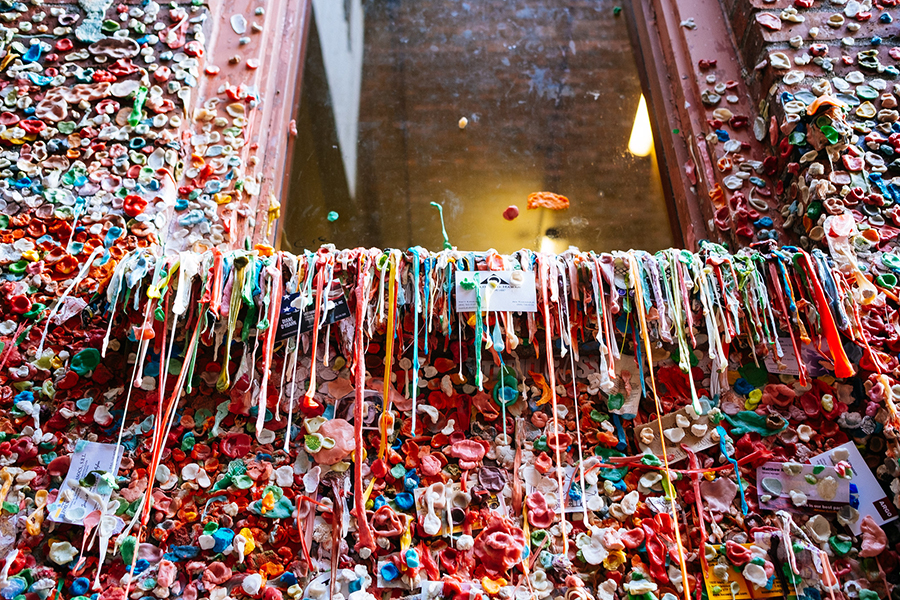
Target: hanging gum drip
[[575, 399], [639, 297], [458, 443], [417, 307], [366, 539], [310, 272], [794, 343], [272, 306], [309, 405], [237, 281], [440, 208], [843, 368], [551, 367], [386, 421]]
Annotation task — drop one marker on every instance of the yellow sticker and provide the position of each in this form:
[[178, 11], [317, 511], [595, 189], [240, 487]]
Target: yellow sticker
[[718, 589]]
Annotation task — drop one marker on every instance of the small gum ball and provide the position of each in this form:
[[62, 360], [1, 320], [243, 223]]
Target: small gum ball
[[166, 575], [252, 583], [511, 212]]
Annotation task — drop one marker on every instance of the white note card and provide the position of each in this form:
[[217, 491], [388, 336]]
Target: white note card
[[500, 291], [74, 502]]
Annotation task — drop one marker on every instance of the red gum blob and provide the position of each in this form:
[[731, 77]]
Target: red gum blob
[[344, 443], [656, 553], [543, 463], [632, 538], [236, 445], [559, 442], [737, 554], [538, 514], [499, 546], [429, 465], [166, 574], [469, 453], [539, 419], [778, 394], [874, 539], [485, 405], [216, 574], [386, 522]]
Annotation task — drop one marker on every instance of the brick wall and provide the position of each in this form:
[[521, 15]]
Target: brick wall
[[550, 94]]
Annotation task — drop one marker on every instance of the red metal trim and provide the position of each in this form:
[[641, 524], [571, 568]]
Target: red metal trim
[[674, 37], [293, 107], [279, 88], [654, 65], [278, 48]]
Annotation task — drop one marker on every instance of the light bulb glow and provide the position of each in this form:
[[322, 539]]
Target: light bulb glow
[[641, 141], [547, 246]]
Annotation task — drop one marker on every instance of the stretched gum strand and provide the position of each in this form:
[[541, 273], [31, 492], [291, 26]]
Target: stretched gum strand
[[577, 412], [336, 519], [889, 398], [611, 362], [479, 331], [320, 284], [119, 447], [386, 419], [779, 295], [642, 316], [698, 500], [216, 284], [274, 302], [365, 538], [296, 354], [157, 431], [163, 431], [234, 301], [729, 325], [160, 435], [415, 365], [842, 366], [685, 300], [551, 366], [789, 549]]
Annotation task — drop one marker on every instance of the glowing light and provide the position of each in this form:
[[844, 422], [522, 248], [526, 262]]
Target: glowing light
[[548, 246], [641, 141]]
